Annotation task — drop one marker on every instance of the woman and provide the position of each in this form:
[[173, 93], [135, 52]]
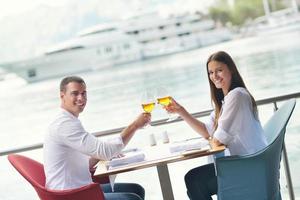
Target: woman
[[234, 122]]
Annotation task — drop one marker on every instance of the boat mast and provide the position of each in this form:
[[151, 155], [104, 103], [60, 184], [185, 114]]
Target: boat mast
[[267, 9], [295, 6]]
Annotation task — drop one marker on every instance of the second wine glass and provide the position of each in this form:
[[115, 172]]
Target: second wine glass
[[164, 99]]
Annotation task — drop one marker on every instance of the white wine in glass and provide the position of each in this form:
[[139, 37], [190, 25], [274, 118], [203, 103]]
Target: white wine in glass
[[164, 99], [148, 102], [148, 107]]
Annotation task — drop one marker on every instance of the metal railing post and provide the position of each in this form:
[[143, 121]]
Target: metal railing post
[[288, 173], [286, 166]]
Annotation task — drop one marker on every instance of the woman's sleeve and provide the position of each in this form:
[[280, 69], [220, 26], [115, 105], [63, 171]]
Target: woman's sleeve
[[209, 124], [74, 135], [230, 118]]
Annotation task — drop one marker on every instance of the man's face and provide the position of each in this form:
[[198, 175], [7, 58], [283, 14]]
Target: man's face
[[74, 98]]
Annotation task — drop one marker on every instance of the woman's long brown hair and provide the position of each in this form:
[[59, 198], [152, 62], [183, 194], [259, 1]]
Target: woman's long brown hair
[[217, 95]]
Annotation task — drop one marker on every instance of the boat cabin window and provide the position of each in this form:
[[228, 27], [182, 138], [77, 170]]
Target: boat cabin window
[[31, 73], [126, 46], [135, 32], [195, 21], [183, 34], [108, 49]]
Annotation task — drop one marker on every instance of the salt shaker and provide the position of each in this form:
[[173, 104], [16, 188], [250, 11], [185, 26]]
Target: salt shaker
[[152, 140], [165, 137]]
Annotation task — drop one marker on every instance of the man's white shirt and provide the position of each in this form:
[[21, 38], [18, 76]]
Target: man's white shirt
[[67, 150]]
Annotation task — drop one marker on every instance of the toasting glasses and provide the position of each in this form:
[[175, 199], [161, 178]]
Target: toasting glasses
[[162, 97]]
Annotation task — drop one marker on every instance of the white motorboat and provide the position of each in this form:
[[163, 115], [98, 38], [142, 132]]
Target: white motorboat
[[85, 52], [106, 45], [160, 36]]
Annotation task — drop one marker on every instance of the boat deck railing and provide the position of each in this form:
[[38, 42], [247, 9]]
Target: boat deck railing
[[271, 100]]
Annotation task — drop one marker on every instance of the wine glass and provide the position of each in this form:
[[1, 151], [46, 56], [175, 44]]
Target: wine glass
[[148, 101], [164, 99]]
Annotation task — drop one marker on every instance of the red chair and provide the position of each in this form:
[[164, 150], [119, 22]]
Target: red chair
[[33, 172]]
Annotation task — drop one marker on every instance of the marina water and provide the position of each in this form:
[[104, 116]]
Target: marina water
[[270, 66]]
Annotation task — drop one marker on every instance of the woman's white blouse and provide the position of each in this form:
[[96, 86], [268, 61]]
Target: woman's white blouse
[[237, 126]]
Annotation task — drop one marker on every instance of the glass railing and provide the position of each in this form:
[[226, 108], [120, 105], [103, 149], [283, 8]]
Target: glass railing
[[267, 105]]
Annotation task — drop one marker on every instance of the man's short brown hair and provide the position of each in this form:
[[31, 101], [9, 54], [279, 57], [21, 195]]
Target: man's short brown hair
[[65, 81]]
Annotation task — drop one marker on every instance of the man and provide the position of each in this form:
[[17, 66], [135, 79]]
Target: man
[[70, 151]]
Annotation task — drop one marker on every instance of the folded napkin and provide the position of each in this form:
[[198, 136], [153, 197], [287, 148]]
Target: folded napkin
[[128, 158], [188, 145]]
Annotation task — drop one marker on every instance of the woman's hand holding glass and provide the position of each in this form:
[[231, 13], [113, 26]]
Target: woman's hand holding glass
[[173, 107], [165, 99]]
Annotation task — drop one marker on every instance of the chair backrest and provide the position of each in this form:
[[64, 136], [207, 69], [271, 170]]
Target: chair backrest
[[279, 120], [33, 172], [274, 131], [256, 176]]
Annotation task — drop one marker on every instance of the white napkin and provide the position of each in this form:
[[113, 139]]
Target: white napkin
[[187, 145], [128, 158]]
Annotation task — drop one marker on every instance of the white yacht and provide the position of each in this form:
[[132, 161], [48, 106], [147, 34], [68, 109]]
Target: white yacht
[[160, 36], [106, 45], [89, 50]]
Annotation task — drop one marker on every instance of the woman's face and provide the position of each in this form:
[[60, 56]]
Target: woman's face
[[220, 75]]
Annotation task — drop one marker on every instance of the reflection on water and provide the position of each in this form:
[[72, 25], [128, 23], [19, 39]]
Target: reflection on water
[[270, 67]]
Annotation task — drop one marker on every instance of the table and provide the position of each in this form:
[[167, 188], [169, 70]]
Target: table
[[161, 163]]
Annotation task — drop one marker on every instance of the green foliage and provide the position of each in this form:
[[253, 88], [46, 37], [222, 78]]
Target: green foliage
[[240, 12], [220, 12], [244, 10]]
